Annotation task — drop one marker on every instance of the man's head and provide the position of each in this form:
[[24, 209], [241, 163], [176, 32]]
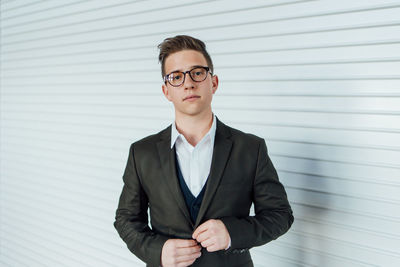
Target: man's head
[[188, 79], [179, 43]]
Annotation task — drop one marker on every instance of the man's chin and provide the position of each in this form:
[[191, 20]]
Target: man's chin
[[191, 112]]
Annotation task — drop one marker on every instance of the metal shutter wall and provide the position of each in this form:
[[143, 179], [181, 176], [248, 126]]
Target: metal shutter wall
[[320, 80]]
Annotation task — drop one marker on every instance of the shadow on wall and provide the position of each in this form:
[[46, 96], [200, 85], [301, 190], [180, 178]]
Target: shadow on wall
[[312, 200]]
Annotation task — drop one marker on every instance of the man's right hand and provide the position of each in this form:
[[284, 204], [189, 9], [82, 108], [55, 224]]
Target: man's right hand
[[179, 252]]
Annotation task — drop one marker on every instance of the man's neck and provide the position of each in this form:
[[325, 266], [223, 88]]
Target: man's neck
[[194, 127]]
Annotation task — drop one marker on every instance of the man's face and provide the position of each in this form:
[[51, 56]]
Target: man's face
[[191, 98]]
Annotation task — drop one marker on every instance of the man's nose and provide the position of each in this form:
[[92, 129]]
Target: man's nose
[[188, 83]]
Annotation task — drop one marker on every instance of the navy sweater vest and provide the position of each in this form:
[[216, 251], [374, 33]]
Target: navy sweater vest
[[192, 203]]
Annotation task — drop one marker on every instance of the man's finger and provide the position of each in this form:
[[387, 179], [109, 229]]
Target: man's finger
[[185, 263], [185, 243], [203, 227], [188, 250], [203, 236], [188, 257], [212, 248], [207, 243]]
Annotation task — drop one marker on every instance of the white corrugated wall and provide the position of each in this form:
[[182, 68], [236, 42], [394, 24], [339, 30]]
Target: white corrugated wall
[[320, 80]]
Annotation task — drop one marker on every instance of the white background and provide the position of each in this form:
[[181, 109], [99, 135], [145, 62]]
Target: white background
[[319, 80]]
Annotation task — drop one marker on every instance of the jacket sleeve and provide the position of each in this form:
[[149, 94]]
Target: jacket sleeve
[[131, 220], [273, 214]]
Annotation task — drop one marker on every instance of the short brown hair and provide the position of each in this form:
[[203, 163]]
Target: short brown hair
[[179, 43]]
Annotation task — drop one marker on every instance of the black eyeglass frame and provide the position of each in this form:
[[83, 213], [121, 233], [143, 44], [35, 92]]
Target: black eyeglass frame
[[184, 75]]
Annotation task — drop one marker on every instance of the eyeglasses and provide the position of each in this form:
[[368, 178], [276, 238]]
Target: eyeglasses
[[197, 74]]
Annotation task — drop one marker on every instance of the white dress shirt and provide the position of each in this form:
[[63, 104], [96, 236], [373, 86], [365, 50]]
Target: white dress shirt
[[194, 161]]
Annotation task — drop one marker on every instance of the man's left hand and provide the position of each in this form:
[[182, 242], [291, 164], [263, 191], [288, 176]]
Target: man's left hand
[[212, 235]]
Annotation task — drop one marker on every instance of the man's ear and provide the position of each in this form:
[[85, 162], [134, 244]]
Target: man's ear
[[166, 92], [214, 81]]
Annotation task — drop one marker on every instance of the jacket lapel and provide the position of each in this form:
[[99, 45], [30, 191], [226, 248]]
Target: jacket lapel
[[221, 152], [167, 159]]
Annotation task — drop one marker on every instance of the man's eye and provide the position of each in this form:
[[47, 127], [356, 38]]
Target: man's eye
[[177, 77], [198, 72]]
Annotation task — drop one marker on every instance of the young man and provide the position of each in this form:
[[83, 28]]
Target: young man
[[198, 177]]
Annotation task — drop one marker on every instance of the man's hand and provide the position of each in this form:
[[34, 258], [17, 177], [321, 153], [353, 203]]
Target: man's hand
[[212, 235], [179, 252]]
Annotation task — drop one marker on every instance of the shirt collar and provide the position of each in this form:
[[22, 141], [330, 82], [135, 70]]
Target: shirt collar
[[175, 134]]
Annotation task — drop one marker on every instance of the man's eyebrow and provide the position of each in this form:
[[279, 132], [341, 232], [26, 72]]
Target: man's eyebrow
[[175, 71], [191, 67], [196, 66]]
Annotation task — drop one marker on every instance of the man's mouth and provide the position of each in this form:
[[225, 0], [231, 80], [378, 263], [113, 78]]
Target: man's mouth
[[191, 97]]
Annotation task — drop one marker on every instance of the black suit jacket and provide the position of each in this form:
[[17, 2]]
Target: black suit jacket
[[241, 174]]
